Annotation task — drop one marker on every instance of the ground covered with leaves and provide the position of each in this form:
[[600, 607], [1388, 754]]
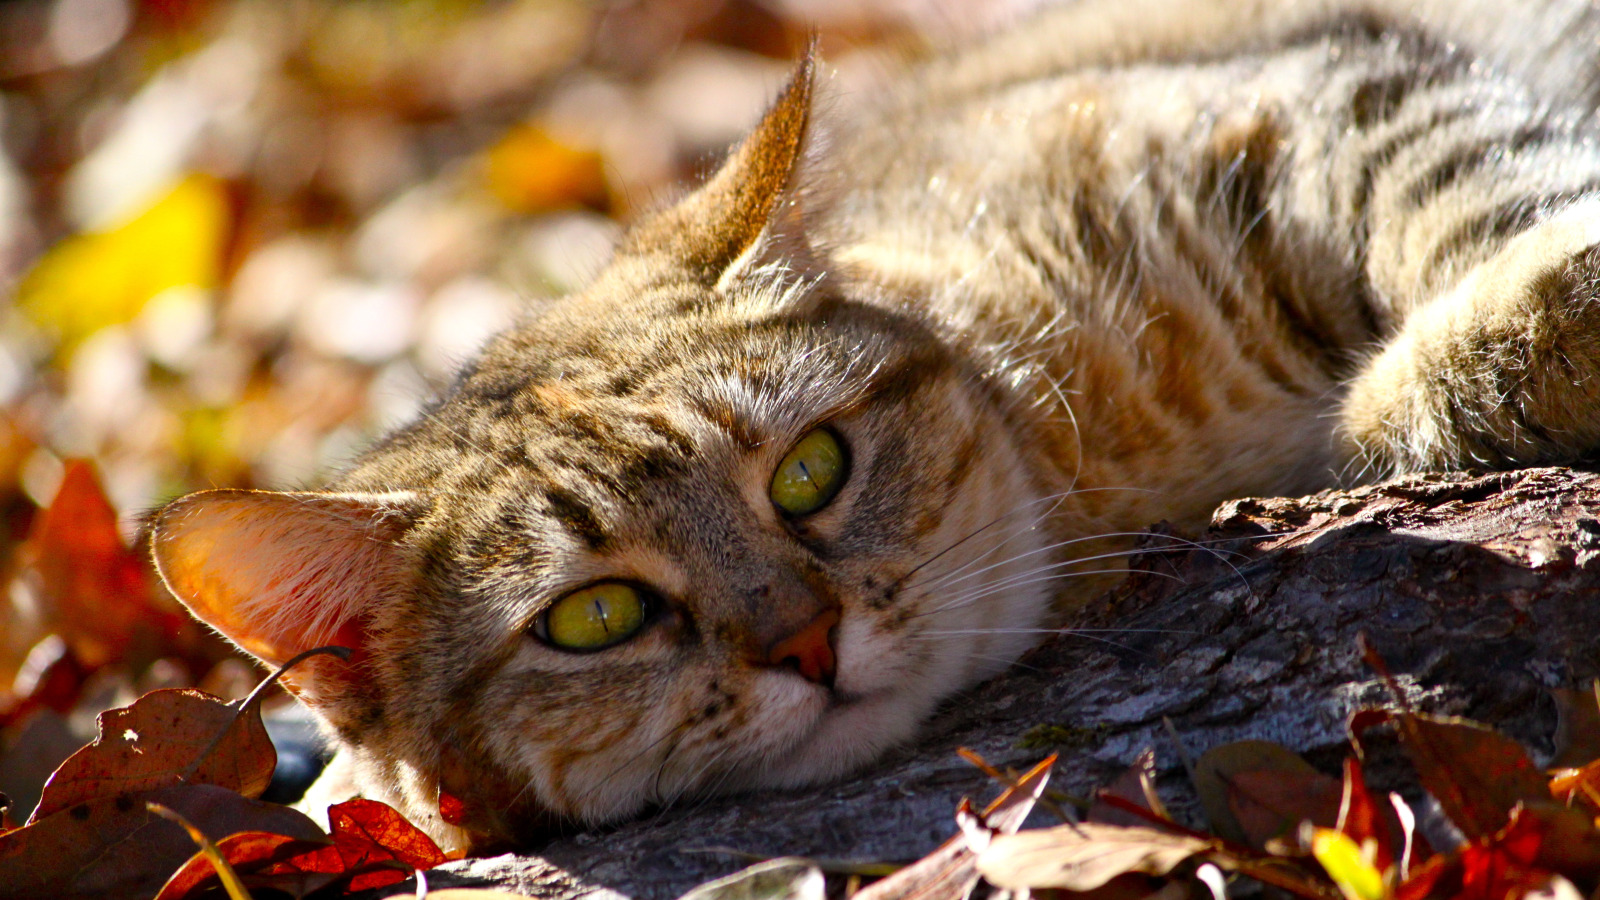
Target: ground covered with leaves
[[237, 239]]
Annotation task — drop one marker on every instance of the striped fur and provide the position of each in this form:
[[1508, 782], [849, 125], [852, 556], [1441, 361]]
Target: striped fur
[[1132, 259]]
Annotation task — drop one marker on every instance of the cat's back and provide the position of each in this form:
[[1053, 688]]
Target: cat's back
[[1099, 200]]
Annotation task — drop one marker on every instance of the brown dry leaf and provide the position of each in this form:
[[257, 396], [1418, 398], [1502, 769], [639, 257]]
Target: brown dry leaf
[[1477, 774], [1138, 786], [114, 847], [1253, 791], [785, 878], [1578, 786], [1083, 857], [1577, 737], [1270, 804], [949, 873], [158, 741]]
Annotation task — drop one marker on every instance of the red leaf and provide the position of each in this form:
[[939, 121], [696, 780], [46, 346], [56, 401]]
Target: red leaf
[[1521, 857], [1364, 820], [244, 851], [1477, 774], [372, 842], [57, 679], [159, 741], [97, 592]]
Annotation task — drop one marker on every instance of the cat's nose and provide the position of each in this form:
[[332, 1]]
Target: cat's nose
[[809, 650]]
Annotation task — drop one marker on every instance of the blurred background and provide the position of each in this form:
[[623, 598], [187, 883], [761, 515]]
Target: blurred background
[[240, 237]]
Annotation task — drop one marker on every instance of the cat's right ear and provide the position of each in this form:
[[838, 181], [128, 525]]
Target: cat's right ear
[[281, 573], [714, 232]]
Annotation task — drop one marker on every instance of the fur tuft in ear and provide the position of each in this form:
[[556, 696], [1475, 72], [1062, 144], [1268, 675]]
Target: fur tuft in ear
[[281, 573], [711, 231]]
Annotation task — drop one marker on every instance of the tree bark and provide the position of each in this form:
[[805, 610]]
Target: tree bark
[[1481, 593]]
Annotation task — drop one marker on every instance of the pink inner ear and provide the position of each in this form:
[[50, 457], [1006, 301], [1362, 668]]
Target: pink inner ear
[[279, 574]]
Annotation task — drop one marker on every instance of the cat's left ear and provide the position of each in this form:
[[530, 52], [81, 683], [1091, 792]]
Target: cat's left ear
[[714, 232]]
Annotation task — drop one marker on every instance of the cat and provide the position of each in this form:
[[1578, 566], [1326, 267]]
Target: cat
[[876, 408]]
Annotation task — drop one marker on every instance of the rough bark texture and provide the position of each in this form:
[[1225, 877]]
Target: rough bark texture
[[1480, 592]]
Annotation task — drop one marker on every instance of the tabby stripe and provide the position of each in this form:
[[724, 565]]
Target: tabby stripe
[[1494, 224], [577, 516], [1472, 158], [1378, 99], [1379, 159]]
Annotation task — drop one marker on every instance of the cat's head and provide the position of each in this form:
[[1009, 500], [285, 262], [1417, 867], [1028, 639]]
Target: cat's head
[[713, 523]]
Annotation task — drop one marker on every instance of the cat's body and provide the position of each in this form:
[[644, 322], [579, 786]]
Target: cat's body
[[1126, 262]]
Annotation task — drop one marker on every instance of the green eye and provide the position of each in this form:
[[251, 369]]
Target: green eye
[[810, 476], [594, 617]]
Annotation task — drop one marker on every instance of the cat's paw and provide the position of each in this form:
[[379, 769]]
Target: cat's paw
[[1502, 371]]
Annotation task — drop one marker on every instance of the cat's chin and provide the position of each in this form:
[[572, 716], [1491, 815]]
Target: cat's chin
[[848, 731]]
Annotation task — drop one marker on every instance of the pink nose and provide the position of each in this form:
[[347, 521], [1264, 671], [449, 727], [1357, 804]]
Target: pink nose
[[809, 650]]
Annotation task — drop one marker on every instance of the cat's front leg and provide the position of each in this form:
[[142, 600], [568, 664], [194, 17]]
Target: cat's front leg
[[1502, 370]]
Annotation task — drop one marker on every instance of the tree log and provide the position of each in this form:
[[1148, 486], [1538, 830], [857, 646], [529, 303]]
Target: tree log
[[1481, 593]]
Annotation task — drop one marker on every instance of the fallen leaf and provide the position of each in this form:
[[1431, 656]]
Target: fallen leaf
[[1349, 864], [950, 872], [1477, 774], [245, 851], [372, 844], [1564, 840], [1362, 820], [1577, 737], [51, 678], [1537, 844], [1578, 786], [114, 846], [1083, 857], [225, 873], [1253, 791], [1136, 785], [97, 593], [776, 879], [101, 278], [529, 170], [159, 741]]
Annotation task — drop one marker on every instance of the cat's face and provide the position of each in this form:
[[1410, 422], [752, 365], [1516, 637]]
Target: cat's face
[[673, 535]]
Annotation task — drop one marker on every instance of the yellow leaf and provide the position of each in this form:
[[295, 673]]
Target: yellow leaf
[[529, 171], [1350, 868], [100, 278]]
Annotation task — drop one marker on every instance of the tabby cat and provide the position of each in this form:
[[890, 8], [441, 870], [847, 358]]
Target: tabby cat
[[852, 425]]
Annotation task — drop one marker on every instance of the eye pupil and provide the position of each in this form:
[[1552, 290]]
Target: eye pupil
[[595, 617], [810, 475]]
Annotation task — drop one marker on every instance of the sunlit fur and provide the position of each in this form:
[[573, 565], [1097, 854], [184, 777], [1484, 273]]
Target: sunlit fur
[[1132, 259]]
